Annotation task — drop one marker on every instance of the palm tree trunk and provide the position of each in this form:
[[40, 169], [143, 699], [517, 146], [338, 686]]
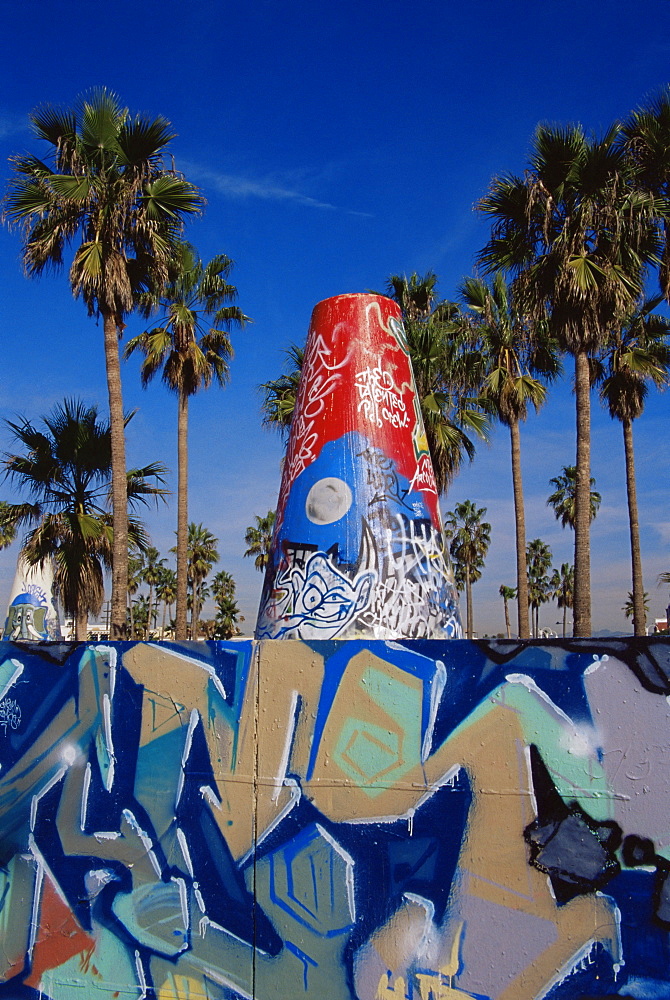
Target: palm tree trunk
[[151, 596], [468, 601], [507, 625], [639, 614], [195, 614], [582, 591], [182, 517], [163, 622], [119, 480], [130, 612], [565, 619], [520, 521], [81, 626]]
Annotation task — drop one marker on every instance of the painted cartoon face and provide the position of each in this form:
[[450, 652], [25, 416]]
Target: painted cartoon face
[[324, 600], [25, 620]]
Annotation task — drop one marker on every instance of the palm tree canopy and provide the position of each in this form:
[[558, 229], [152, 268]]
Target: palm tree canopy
[[645, 137], [64, 472], [470, 535], [185, 348], [628, 608], [563, 497], [258, 538], [447, 371], [280, 394], [202, 553], [517, 357], [635, 354], [575, 231], [105, 186]]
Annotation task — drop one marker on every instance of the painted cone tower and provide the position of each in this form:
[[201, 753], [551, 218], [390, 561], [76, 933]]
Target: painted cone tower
[[358, 549], [32, 611]]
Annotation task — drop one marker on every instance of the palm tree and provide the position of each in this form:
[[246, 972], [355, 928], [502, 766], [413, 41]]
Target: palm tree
[[470, 540], [202, 555], [166, 591], [227, 617], [635, 354], [151, 574], [259, 539], [64, 471], [446, 370], [104, 188], [518, 360], [190, 354], [563, 584], [508, 594], [223, 585], [564, 497], [227, 611], [577, 235], [629, 607], [538, 559], [280, 394], [646, 139]]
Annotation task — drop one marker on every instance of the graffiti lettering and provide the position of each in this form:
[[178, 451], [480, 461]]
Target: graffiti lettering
[[380, 399], [321, 376], [10, 714], [381, 477]]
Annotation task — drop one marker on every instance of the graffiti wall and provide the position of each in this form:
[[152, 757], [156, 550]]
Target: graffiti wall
[[334, 820], [358, 548]]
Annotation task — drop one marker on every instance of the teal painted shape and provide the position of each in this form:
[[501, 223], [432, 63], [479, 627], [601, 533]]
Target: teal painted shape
[[371, 755]]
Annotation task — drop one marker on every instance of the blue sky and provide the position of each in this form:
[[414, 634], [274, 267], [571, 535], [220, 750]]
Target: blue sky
[[336, 144]]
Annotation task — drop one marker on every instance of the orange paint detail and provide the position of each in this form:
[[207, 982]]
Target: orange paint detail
[[60, 936]]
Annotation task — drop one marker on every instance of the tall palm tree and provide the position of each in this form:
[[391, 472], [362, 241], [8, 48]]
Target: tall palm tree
[[563, 584], [64, 471], [519, 358], [634, 355], [202, 555], [577, 235], [104, 189], [470, 540], [259, 539], [151, 574], [190, 354], [508, 594], [564, 498], [538, 559]]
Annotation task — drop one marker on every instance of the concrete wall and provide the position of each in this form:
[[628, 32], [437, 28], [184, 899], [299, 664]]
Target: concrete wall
[[330, 820]]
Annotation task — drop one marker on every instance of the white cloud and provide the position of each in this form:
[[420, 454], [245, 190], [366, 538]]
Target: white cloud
[[237, 186]]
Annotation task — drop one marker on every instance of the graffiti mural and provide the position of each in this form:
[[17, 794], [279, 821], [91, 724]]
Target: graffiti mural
[[416, 820], [358, 548]]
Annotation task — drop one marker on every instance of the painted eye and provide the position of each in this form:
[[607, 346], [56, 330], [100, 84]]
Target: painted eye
[[312, 597]]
